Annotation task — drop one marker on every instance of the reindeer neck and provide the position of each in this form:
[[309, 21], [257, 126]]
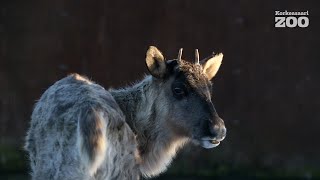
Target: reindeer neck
[[157, 144], [138, 105], [131, 101]]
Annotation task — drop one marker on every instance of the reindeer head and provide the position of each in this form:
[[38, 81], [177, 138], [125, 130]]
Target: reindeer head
[[186, 98]]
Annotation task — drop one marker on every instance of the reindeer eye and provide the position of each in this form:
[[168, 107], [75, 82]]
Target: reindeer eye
[[179, 92]]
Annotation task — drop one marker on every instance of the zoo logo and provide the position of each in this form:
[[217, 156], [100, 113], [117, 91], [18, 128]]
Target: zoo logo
[[290, 19]]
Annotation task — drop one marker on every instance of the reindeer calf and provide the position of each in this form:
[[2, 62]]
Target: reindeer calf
[[80, 131]]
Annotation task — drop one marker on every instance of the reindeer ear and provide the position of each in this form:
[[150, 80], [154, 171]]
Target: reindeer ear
[[155, 62], [211, 65]]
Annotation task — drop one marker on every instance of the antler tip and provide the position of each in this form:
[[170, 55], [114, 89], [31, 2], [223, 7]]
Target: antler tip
[[180, 54], [197, 59]]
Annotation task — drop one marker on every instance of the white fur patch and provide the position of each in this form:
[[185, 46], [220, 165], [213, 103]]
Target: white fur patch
[[160, 158]]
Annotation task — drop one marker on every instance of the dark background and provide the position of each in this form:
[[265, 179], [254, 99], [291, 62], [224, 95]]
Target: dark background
[[267, 89]]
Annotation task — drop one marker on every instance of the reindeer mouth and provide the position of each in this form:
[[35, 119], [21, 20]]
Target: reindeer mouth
[[209, 143]]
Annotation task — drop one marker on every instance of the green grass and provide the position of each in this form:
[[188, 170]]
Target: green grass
[[12, 159]]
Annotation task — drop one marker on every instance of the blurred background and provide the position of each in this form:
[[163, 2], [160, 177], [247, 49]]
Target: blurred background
[[267, 89]]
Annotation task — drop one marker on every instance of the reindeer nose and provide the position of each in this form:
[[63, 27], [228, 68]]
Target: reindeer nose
[[219, 130]]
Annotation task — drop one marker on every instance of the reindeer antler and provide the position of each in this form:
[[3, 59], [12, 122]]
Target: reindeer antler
[[196, 54], [180, 54]]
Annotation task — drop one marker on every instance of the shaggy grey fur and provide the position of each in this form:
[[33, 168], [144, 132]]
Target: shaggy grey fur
[[74, 108], [81, 131]]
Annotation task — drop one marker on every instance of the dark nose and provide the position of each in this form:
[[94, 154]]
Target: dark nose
[[218, 129]]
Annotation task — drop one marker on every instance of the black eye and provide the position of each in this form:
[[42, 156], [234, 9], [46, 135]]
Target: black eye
[[179, 92]]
